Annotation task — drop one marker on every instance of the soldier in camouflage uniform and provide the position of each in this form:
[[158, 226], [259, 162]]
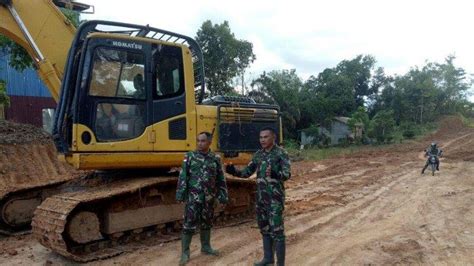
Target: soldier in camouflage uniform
[[273, 168], [435, 151], [200, 182]]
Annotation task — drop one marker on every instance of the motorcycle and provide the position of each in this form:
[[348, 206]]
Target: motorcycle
[[432, 161]]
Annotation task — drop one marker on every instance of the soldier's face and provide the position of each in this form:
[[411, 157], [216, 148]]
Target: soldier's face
[[267, 139], [203, 143]]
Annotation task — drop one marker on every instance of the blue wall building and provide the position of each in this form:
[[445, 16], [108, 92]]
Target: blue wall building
[[30, 99]]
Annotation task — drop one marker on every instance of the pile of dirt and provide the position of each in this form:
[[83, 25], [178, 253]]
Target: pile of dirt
[[14, 133], [24, 166], [447, 127], [29, 159]]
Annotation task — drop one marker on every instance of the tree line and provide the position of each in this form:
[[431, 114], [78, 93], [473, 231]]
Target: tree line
[[355, 88]]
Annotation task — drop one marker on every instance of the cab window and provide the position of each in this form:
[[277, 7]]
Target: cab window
[[118, 73], [168, 71], [118, 78]]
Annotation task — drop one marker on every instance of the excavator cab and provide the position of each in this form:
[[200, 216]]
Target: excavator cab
[[133, 92]]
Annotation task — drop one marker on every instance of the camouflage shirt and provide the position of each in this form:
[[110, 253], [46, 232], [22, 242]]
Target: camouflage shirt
[[273, 168], [201, 178]]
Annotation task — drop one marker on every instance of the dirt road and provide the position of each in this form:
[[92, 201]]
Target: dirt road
[[373, 207]]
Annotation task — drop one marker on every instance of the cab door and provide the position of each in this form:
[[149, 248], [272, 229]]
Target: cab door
[[169, 98], [113, 114]]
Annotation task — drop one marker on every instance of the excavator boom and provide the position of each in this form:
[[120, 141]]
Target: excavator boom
[[44, 32]]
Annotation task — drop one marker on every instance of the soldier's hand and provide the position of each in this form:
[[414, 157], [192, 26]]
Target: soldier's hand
[[230, 169]]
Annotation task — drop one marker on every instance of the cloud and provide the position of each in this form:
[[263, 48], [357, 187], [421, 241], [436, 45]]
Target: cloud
[[313, 35]]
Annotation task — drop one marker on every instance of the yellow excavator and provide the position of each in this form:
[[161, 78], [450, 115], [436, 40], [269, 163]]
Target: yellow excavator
[[130, 104]]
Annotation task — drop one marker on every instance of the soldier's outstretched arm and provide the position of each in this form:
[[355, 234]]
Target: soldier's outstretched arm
[[221, 186], [182, 186], [246, 172], [249, 169]]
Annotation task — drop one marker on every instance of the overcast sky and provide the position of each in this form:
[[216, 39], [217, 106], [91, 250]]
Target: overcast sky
[[313, 35]]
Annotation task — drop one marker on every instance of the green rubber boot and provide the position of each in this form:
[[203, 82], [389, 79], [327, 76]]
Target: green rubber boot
[[268, 255], [206, 243], [280, 250], [185, 243]]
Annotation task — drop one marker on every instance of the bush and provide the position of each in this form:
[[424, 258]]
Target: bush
[[4, 99], [325, 141], [343, 142], [382, 126], [290, 144], [409, 134], [409, 130]]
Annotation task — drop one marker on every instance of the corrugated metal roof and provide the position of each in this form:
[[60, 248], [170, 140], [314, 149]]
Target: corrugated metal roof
[[26, 83]]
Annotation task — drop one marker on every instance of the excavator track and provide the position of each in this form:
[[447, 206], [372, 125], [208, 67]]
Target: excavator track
[[17, 208], [100, 221]]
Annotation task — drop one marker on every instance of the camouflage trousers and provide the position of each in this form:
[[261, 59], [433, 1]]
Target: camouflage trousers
[[270, 219], [198, 214]]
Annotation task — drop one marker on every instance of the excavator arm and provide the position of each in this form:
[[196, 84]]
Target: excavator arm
[[44, 32]]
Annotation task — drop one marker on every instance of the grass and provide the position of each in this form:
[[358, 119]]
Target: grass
[[467, 121], [316, 154]]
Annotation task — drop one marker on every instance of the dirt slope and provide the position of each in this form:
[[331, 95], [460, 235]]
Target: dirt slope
[[28, 158], [373, 207]]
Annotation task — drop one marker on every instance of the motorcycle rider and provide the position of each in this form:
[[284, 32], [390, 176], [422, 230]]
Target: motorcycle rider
[[433, 150]]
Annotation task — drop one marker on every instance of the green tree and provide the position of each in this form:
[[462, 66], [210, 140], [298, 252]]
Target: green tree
[[225, 57], [425, 93], [382, 126], [357, 89], [359, 119], [281, 88], [317, 107], [452, 82], [420, 93], [347, 86], [380, 83], [19, 58], [336, 91], [359, 73]]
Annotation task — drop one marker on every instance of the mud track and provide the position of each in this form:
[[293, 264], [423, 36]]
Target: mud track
[[372, 207]]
